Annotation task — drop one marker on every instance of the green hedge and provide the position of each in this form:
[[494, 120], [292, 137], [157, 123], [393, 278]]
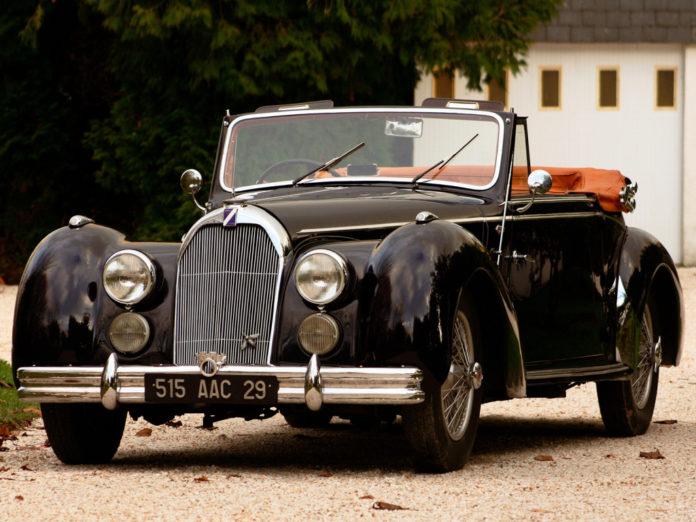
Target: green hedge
[[105, 103]]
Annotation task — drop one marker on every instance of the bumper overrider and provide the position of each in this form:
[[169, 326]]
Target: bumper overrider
[[114, 384]]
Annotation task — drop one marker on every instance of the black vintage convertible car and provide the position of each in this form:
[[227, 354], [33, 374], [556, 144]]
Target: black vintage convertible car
[[366, 263]]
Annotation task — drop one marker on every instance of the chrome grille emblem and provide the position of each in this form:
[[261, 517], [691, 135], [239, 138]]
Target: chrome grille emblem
[[210, 362], [249, 341]]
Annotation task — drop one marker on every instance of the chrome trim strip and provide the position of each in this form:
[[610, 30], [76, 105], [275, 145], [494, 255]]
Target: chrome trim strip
[[555, 198], [356, 227], [556, 215], [339, 385], [458, 221], [401, 110]]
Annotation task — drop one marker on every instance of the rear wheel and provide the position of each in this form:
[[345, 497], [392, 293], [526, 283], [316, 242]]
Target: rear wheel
[[627, 406], [83, 433], [442, 429]]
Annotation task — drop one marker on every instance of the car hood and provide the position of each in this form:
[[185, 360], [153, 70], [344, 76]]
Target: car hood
[[306, 211]]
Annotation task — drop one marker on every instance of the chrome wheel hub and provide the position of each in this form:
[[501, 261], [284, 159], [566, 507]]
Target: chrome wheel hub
[[465, 376], [657, 354]]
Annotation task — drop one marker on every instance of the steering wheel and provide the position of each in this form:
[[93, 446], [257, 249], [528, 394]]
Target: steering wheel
[[295, 161]]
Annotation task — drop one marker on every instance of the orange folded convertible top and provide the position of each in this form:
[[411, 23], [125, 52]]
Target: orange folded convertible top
[[605, 185]]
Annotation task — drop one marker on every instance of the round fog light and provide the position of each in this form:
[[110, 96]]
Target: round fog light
[[318, 334], [129, 332]]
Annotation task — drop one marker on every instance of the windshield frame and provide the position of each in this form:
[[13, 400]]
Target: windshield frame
[[361, 179]]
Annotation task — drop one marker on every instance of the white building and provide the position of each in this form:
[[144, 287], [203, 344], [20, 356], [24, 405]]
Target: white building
[[613, 87]]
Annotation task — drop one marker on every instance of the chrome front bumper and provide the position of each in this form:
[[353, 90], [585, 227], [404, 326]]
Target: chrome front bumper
[[312, 385]]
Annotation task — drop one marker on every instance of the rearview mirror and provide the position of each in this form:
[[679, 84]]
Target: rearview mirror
[[404, 127]]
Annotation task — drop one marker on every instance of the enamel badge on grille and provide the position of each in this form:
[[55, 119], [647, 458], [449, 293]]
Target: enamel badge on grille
[[229, 218]]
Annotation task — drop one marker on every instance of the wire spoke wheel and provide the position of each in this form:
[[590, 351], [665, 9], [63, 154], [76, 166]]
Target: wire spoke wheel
[[457, 391], [443, 428], [641, 381], [627, 406]]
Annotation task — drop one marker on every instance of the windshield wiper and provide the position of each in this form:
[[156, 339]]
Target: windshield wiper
[[443, 163], [330, 163]]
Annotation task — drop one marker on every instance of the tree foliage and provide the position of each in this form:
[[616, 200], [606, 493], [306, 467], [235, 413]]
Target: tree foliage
[[105, 102]]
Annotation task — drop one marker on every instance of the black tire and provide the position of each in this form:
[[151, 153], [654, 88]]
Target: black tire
[[83, 433], [442, 441], [302, 417], [627, 406]]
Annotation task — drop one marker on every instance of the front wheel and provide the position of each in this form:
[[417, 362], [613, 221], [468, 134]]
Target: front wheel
[[627, 406], [83, 433], [442, 429]]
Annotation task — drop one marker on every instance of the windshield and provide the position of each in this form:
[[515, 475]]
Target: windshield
[[404, 146]]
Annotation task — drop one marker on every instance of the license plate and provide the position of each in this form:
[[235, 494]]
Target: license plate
[[223, 389]]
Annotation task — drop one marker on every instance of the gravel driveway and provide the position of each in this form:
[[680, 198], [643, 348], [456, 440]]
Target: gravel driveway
[[540, 459]]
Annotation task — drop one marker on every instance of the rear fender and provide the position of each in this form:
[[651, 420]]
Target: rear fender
[[648, 274]]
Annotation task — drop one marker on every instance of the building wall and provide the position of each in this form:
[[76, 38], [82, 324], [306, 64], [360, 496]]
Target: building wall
[[689, 198], [644, 143]]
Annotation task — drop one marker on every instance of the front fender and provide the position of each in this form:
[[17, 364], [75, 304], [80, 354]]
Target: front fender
[[648, 274], [62, 313], [419, 272]]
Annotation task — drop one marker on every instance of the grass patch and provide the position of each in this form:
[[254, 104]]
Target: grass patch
[[13, 413]]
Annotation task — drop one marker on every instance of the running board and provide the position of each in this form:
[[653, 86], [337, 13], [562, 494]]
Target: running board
[[604, 372]]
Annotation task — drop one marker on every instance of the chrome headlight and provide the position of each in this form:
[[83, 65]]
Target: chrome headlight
[[320, 276], [129, 277]]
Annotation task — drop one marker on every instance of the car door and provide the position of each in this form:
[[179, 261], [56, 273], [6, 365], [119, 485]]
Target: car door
[[560, 261]]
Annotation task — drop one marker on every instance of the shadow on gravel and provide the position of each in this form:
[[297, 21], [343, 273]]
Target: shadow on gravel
[[342, 447], [502, 435]]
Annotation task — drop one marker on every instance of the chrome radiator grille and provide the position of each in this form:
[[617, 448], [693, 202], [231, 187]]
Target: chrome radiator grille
[[226, 292]]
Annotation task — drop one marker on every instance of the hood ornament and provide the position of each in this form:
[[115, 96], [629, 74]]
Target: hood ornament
[[210, 362], [249, 341]]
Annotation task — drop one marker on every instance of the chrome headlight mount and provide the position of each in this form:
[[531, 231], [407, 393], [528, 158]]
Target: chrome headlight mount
[[321, 275], [128, 277]]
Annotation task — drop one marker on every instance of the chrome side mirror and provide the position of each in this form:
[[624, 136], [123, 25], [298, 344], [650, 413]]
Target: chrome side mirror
[[539, 182], [191, 182]]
